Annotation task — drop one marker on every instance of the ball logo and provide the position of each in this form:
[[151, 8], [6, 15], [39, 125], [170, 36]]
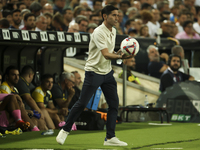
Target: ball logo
[[130, 46]]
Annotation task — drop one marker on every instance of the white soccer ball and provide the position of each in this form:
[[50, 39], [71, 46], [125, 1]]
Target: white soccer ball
[[130, 46]]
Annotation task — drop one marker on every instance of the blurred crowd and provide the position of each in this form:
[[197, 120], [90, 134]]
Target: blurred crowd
[[178, 19]]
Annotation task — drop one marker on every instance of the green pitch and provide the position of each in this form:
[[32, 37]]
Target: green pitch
[[138, 136]]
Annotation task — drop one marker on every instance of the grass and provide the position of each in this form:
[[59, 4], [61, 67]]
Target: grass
[[138, 136]]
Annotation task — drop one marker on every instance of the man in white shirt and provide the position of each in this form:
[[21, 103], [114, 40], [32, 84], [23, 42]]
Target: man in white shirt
[[99, 73], [154, 25], [41, 23]]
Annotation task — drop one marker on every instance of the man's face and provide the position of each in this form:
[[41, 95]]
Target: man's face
[[121, 15], [48, 8], [131, 63], [74, 28], [138, 24], [156, 14], [97, 6], [95, 19], [16, 18], [47, 84], [182, 19], [112, 19], [60, 3], [83, 26], [30, 23], [43, 2], [154, 55], [13, 77], [69, 15], [189, 28], [124, 7], [27, 2], [175, 63], [70, 82], [42, 24], [22, 6], [77, 79]]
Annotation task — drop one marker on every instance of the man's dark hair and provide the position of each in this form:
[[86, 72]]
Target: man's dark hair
[[186, 23], [46, 76], [94, 1], [8, 70], [64, 10], [107, 10], [35, 6], [16, 10], [145, 6], [28, 15], [4, 23], [20, 3], [125, 2], [6, 12], [128, 22], [170, 59], [93, 15], [27, 70], [82, 19]]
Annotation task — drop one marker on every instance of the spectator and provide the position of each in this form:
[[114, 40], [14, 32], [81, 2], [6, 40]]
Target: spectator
[[73, 27], [21, 6], [47, 8], [196, 25], [146, 16], [4, 23], [35, 8], [8, 86], [144, 31], [43, 98], [43, 2], [16, 19], [174, 14], [88, 12], [29, 22], [97, 4], [165, 15], [166, 27], [132, 32], [23, 13], [130, 63], [49, 17], [58, 23], [138, 24], [137, 4], [124, 5], [41, 23], [155, 66], [130, 23], [174, 30], [24, 87], [120, 20], [83, 24], [163, 6], [67, 16], [154, 25], [58, 6], [132, 12], [27, 3], [77, 88], [79, 10], [188, 32], [94, 19], [172, 75], [91, 27], [182, 17], [146, 6], [8, 15]]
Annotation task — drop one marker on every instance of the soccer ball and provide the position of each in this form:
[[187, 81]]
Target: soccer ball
[[130, 46]]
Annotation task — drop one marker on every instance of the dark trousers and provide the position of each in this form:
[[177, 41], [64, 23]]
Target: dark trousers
[[109, 87]]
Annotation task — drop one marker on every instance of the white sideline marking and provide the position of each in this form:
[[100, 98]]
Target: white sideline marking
[[168, 148], [160, 124]]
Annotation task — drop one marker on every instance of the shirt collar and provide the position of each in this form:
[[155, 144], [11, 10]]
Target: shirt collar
[[24, 80], [108, 32]]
